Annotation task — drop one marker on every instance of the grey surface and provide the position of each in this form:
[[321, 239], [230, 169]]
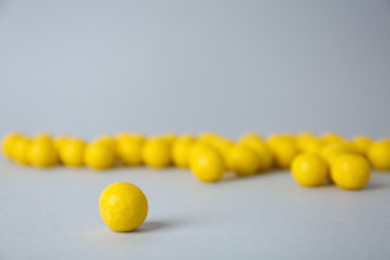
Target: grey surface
[[87, 68], [54, 215]]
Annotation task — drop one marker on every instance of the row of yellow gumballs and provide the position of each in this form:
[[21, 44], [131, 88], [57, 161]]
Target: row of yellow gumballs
[[209, 155]]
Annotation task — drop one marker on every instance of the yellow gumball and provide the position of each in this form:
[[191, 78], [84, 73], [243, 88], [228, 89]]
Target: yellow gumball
[[309, 170], [156, 153], [379, 155], [42, 153], [59, 142], [107, 140], [243, 161], [197, 148], [351, 171], [249, 137], [170, 138], [123, 206], [331, 138], [207, 137], [99, 156], [331, 152], [20, 150], [72, 152], [8, 143], [262, 151], [181, 150], [130, 149], [362, 144], [207, 165], [223, 146], [284, 150]]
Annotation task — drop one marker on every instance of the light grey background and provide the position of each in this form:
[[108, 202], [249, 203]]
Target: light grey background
[[91, 67]]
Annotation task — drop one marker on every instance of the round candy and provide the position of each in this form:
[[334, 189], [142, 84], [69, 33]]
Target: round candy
[[262, 151], [284, 150], [243, 161], [123, 206], [309, 170], [8, 143], [379, 155], [351, 171], [129, 149], [20, 150], [42, 153], [156, 153], [72, 152], [208, 165], [181, 150], [99, 156], [59, 142], [362, 144], [249, 137], [170, 138], [107, 140]]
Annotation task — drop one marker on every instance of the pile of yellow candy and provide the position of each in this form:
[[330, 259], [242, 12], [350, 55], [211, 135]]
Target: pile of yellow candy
[[313, 160]]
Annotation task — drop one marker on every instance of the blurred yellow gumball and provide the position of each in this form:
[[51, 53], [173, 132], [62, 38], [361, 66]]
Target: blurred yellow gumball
[[197, 148], [309, 170], [107, 140], [43, 137], [181, 150], [20, 150], [249, 137], [72, 152], [284, 150], [59, 142], [223, 146], [99, 156], [156, 153], [8, 143], [262, 150], [207, 165], [170, 138], [243, 161], [123, 206], [331, 138], [331, 152], [207, 137], [379, 155], [42, 153], [351, 171], [130, 149], [362, 144]]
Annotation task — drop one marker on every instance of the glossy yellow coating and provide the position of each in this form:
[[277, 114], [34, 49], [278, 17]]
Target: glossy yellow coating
[[129, 149], [181, 150], [72, 152], [207, 165], [42, 153], [20, 150], [156, 153], [243, 161], [8, 143], [223, 146], [309, 170], [123, 206], [362, 144], [351, 171], [284, 149], [99, 156], [379, 155]]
